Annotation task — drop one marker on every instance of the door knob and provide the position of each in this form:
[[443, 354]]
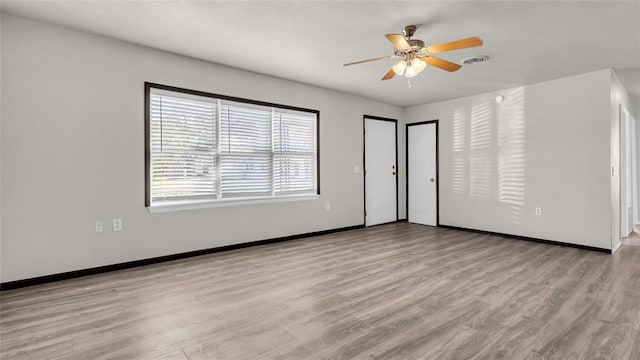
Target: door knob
[[432, 180], [394, 173]]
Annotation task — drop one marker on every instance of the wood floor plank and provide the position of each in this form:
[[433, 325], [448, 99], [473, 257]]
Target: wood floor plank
[[174, 355], [396, 291], [609, 341]]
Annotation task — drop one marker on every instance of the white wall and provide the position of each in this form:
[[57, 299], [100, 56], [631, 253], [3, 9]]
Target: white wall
[[72, 152], [547, 145], [0, 151]]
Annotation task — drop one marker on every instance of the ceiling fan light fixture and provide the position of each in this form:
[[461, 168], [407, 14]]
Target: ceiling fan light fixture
[[400, 67], [410, 72], [418, 65]]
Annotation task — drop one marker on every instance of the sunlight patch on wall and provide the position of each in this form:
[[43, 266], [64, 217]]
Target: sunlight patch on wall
[[459, 122], [488, 152], [459, 173], [511, 152], [480, 148]]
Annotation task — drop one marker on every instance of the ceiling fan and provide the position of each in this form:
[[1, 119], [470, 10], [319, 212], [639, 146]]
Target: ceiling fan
[[415, 56]]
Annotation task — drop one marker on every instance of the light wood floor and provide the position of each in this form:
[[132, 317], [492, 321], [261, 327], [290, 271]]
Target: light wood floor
[[398, 291]]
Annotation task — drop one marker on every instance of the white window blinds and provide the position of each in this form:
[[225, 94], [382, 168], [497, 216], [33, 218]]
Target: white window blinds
[[294, 153], [211, 149], [183, 148], [245, 151]]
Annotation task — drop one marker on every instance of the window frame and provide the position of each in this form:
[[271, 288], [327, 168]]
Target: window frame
[[200, 203]]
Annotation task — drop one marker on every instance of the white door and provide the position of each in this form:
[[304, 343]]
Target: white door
[[422, 186], [380, 171]]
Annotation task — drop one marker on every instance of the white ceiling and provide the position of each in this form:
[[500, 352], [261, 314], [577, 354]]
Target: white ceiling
[[307, 41]]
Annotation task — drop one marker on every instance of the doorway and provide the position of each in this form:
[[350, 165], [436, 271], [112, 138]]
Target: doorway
[[628, 173], [380, 170], [422, 173]]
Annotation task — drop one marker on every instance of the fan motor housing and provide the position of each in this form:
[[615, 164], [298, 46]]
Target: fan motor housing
[[416, 44]]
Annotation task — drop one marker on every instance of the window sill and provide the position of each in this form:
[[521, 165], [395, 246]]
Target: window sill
[[195, 205]]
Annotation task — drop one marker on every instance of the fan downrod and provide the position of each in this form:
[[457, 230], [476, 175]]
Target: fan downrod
[[408, 31]]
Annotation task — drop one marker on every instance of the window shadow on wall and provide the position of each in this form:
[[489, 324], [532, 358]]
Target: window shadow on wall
[[488, 151]]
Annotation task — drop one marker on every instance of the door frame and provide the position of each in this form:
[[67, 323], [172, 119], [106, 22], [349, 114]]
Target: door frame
[[364, 161], [628, 126], [437, 167]]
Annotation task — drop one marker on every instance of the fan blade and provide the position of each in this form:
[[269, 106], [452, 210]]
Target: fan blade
[[369, 60], [454, 45], [441, 64], [398, 41], [388, 75]]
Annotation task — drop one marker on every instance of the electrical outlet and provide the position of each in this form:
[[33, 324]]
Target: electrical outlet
[[539, 211], [117, 224], [327, 205], [98, 227]]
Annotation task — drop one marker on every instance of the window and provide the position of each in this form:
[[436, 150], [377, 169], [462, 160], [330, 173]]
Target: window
[[206, 148]]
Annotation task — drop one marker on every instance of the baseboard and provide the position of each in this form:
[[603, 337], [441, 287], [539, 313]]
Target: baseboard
[[10, 285], [616, 247], [387, 223], [518, 237]]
